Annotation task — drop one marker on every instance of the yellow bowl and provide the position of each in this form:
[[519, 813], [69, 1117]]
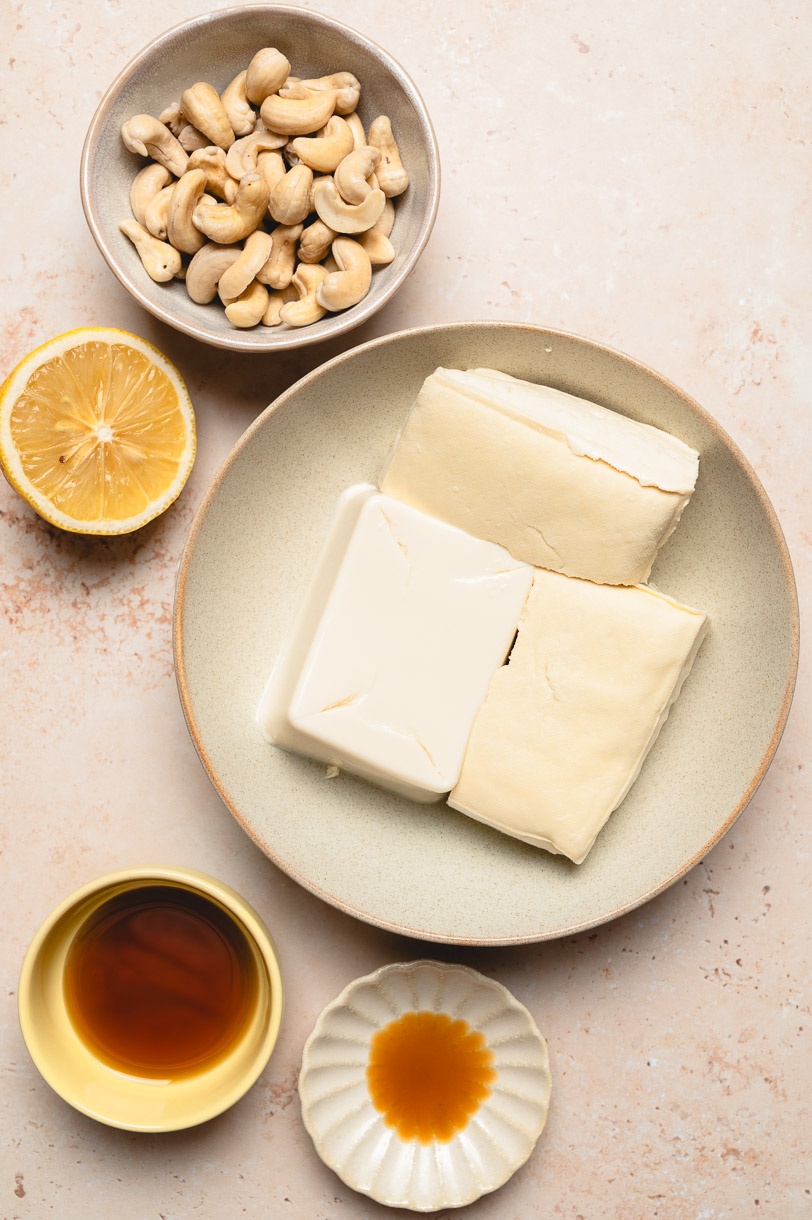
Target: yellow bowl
[[99, 1090]]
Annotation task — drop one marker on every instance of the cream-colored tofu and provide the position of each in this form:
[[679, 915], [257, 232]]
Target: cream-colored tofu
[[406, 621], [562, 483], [568, 722]]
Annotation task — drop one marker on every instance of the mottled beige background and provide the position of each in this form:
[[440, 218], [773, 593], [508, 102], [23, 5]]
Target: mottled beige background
[[637, 173]]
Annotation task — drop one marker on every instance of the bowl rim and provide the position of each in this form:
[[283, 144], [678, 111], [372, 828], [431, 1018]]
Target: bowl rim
[[403, 967], [240, 911], [759, 772], [235, 341]]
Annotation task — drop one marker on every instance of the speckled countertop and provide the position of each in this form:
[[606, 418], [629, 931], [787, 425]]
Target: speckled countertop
[[639, 174]]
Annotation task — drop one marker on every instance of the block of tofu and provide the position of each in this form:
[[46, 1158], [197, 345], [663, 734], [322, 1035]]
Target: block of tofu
[[404, 624], [567, 723], [562, 483]]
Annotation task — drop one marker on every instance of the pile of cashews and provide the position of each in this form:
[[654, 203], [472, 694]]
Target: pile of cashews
[[220, 172]]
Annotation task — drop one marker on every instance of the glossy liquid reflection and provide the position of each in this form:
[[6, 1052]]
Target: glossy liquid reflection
[[428, 1074], [160, 982]]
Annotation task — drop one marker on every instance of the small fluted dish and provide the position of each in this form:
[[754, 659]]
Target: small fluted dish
[[350, 1133], [214, 47]]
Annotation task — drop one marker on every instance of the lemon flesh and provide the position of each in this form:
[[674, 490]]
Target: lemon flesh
[[97, 431]]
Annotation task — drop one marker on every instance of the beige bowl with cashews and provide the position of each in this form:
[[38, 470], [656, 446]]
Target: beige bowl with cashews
[[209, 239]]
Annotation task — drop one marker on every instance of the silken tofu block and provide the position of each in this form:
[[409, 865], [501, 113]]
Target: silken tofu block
[[567, 723], [563, 483], [404, 625]]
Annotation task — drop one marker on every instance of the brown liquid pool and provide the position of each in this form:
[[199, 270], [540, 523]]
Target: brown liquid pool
[[160, 982], [428, 1074]]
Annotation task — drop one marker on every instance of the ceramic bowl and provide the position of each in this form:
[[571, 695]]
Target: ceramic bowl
[[215, 47], [98, 1090], [350, 1134], [425, 870]]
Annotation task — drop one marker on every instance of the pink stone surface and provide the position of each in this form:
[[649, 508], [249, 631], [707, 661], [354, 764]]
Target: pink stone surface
[[638, 174]]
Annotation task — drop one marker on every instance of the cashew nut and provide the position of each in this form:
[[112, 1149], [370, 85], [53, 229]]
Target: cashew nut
[[392, 177], [315, 241], [307, 309], [385, 222], [227, 223], [243, 271], [355, 125], [249, 306], [242, 156], [202, 106], [266, 72], [272, 167], [212, 161], [311, 203], [161, 261], [351, 175], [186, 195], [297, 116], [191, 139], [351, 282], [240, 115], [346, 87], [204, 271], [293, 87], [272, 315], [289, 201], [156, 212], [312, 125], [146, 185], [376, 240], [327, 149], [144, 135], [378, 247], [346, 217], [277, 271], [173, 118]]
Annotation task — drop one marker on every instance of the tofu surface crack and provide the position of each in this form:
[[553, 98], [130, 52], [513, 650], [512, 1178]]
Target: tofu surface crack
[[347, 701], [426, 751], [548, 544], [546, 671], [401, 545]]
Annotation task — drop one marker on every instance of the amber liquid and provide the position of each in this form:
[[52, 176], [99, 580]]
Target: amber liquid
[[160, 982], [428, 1074]]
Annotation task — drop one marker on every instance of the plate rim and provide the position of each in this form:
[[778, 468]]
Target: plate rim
[[347, 907]]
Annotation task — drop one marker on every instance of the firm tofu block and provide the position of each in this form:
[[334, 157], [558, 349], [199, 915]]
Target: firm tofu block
[[405, 623], [567, 723], [563, 483]]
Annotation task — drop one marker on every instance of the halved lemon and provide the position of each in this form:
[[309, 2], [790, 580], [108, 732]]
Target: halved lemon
[[97, 431]]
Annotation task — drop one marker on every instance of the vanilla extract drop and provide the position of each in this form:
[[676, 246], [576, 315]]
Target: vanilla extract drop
[[428, 1074]]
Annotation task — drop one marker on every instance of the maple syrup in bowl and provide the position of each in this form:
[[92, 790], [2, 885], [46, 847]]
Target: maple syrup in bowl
[[151, 999], [425, 1085], [160, 982]]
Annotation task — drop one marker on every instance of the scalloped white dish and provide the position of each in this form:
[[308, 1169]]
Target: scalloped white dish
[[350, 1133]]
